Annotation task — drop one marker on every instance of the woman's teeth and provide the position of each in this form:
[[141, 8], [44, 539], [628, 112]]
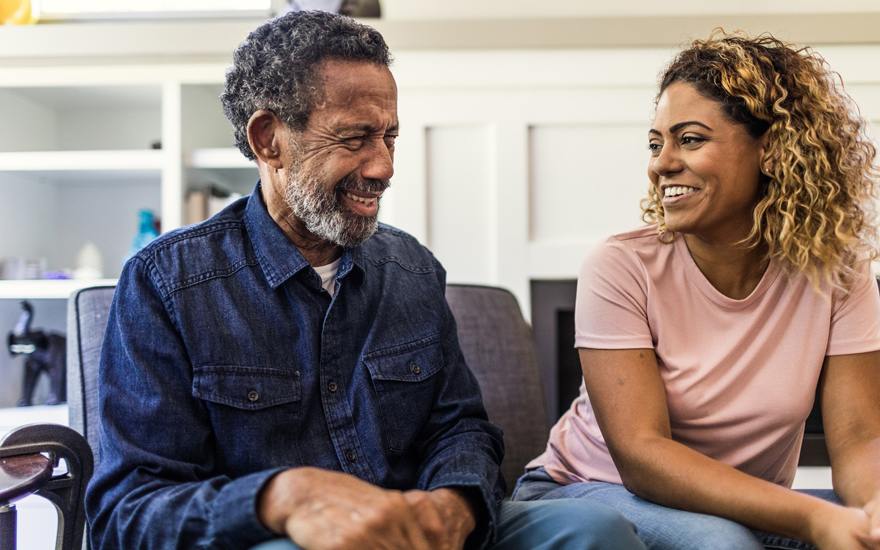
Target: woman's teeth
[[678, 190], [364, 200]]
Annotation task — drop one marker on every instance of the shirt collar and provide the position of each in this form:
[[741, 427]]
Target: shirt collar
[[279, 258]]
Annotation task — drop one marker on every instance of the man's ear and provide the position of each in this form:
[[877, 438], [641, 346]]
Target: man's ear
[[266, 132]]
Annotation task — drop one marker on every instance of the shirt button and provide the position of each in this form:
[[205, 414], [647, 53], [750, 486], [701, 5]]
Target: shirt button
[[416, 369], [350, 456], [253, 395], [332, 386]]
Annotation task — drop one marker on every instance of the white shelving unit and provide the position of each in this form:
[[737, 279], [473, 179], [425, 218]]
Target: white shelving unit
[[60, 289], [83, 149], [65, 165]]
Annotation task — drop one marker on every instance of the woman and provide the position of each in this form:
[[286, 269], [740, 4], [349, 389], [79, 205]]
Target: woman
[[704, 337]]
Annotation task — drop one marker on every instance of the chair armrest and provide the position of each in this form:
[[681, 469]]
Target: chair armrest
[[23, 475], [65, 490]]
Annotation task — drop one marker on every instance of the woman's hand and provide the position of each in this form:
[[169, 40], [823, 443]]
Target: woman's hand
[[872, 509], [837, 527]]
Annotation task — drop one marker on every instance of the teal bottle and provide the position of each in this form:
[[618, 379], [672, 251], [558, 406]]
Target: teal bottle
[[146, 233]]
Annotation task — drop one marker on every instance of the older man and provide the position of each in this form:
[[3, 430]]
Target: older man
[[289, 369]]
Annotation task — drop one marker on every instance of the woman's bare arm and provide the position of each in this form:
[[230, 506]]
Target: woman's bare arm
[[629, 400], [849, 391]]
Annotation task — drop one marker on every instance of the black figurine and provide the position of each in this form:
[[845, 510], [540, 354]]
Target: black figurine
[[43, 352]]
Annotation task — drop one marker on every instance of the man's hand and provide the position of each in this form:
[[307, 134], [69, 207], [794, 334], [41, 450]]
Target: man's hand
[[444, 515], [326, 510]]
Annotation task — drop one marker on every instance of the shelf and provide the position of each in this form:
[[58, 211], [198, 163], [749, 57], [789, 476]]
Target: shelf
[[38, 289], [13, 417], [584, 27], [86, 166], [147, 160], [219, 157]]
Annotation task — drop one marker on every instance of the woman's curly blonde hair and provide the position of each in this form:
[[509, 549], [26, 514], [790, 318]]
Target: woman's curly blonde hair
[[817, 213]]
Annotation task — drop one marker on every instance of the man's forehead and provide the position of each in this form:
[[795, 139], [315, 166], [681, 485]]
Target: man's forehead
[[342, 75], [356, 96]]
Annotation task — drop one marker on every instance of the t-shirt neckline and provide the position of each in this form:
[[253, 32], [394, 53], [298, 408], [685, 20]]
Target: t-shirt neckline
[[701, 282]]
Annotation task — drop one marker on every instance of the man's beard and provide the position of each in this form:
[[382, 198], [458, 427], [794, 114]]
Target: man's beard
[[321, 212]]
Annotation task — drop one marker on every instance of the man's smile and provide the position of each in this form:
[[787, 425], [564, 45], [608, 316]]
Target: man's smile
[[361, 203]]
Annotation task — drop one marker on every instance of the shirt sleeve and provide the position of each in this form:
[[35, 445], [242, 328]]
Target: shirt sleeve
[[154, 486], [855, 319], [461, 449], [612, 300]]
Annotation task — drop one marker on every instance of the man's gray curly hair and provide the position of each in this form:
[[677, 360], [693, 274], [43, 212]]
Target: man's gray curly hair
[[275, 68]]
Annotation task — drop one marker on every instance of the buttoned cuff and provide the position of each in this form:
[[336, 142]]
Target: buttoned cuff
[[234, 519], [473, 488]]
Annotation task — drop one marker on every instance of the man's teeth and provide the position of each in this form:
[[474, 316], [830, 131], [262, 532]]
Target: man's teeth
[[678, 190], [363, 200]]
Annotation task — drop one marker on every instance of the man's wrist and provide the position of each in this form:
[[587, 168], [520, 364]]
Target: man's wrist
[[461, 501], [279, 497], [462, 508]]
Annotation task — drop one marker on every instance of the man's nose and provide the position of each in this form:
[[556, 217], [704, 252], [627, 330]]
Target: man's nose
[[379, 164]]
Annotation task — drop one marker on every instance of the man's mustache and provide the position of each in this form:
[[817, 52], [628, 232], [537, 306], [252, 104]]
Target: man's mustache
[[369, 185]]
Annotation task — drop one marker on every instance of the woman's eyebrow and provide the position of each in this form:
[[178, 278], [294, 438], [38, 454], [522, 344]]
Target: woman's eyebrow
[[676, 127]]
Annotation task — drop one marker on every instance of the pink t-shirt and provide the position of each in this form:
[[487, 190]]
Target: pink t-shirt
[[740, 375]]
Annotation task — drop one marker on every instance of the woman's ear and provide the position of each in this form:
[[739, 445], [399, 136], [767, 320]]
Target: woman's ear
[[266, 132], [767, 163]]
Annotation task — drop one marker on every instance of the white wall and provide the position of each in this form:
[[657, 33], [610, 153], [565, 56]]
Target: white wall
[[489, 9], [512, 164]]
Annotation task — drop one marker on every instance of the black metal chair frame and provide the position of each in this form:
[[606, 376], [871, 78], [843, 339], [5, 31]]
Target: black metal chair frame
[[64, 490]]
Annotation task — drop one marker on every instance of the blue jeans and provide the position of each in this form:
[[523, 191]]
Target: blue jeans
[[548, 525], [659, 527]]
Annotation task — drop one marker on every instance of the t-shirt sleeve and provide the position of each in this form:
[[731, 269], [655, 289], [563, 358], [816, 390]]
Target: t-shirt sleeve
[[855, 320], [611, 308]]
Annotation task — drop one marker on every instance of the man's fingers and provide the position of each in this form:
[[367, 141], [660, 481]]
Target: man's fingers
[[353, 514]]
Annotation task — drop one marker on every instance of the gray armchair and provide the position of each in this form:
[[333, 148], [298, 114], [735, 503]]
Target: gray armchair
[[495, 339], [87, 311], [24, 470], [498, 346]]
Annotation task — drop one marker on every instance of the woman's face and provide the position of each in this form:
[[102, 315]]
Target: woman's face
[[706, 168]]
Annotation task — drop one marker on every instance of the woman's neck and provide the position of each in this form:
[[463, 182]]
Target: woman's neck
[[732, 268]]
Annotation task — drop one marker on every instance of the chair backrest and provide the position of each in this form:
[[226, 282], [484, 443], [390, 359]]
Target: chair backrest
[[499, 348], [495, 339], [87, 311]]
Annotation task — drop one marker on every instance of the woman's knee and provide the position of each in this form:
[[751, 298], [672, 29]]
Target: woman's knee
[[699, 532], [565, 524], [277, 544], [610, 529]]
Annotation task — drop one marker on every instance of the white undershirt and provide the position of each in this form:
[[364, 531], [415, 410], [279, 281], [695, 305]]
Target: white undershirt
[[328, 275]]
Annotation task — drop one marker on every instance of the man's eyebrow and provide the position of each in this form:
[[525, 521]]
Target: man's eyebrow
[[369, 128]]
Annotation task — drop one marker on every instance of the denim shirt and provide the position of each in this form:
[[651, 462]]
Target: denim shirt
[[225, 362]]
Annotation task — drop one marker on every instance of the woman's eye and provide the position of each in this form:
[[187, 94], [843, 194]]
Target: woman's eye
[[654, 148], [691, 140]]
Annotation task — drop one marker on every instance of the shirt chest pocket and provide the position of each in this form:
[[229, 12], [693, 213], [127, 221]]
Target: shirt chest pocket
[[253, 413], [405, 379], [247, 388]]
